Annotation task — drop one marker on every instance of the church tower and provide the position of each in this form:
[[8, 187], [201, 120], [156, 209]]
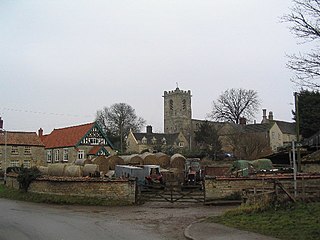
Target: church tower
[[177, 112]]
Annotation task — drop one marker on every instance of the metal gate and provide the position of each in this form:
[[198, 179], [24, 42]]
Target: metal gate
[[172, 193]]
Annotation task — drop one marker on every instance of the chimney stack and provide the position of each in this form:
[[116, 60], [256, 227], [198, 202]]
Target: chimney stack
[[149, 129], [40, 132], [1, 123], [270, 117], [264, 116], [243, 121]]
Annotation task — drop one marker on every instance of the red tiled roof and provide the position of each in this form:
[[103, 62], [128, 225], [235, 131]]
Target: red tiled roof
[[66, 137], [20, 138], [94, 150]]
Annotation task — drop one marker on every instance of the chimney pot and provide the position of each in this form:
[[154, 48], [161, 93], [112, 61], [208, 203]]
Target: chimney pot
[[149, 129], [40, 132]]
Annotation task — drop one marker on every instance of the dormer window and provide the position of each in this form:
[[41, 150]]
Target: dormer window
[[144, 140], [164, 141], [154, 140]]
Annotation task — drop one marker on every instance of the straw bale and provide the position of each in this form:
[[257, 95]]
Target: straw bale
[[113, 161], [149, 159], [82, 162], [177, 161], [73, 171], [163, 159], [56, 169], [43, 170], [90, 169], [102, 162], [133, 159]]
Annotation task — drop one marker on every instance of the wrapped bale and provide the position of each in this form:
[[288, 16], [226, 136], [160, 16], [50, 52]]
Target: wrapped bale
[[163, 159], [43, 170], [113, 161], [133, 159], [90, 170], [56, 169], [82, 162], [149, 159], [177, 161], [102, 162], [73, 171], [262, 164]]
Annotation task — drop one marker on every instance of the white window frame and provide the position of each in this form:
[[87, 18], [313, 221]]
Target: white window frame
[[26, 163], [65, 154], [14, 163], [49, 156], [57, 155], [27, 150], [181, 144], [81, 154], [14, 150]]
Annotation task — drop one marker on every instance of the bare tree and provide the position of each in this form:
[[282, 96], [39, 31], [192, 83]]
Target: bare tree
[[118, 119], [234, 104], [248, 145], [304, 21]]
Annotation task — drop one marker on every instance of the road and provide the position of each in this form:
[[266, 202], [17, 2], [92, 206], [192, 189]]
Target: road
[[29, 221]]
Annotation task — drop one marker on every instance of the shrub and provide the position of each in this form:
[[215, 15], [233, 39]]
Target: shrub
[[26, 176]]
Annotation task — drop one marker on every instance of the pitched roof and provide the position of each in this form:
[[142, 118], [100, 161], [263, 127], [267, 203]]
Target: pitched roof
[[287, 127], [254, 128], [66, 137], [20, 138], [169, 137]]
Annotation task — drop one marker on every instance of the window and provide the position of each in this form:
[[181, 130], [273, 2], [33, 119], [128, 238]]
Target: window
[[171, 104], [14, 163], [181, 144], [27, 150], [164, 141], [65, 155], [14, 150], [49, 156], [26, 164], [81, 154], [154, 140], [273, 135], [56, 156], [144, 140], [184, 105]]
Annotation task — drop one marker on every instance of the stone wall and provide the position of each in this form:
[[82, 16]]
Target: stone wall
[[223, 187], [115, 190]]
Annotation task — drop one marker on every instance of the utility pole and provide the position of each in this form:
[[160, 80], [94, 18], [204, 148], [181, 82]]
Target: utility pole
[[296, 103]]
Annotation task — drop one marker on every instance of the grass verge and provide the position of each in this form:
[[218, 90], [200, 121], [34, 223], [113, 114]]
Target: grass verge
[[296, 221], [14, 194]]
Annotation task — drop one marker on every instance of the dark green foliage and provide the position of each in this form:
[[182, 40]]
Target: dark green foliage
[[207, 139], [26, 176], [309, 112]]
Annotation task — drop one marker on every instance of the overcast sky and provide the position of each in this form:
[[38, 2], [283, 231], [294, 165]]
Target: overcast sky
[[61, 61]]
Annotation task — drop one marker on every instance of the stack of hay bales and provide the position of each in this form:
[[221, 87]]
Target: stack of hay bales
[[90, 169], [82, 162], [133, 159], [163, 160], [113, 161], [57, 169], [102, 162], [73, 171], [177, 161], [43, 170], [149, 159]]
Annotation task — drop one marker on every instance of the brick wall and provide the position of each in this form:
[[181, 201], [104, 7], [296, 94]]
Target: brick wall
[[121, 190]]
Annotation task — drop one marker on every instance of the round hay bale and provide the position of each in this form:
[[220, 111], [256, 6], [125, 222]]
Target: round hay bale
[[56, 169], [102, 162], [113, 161], [149, 159], [90, 169], [133, 159], [82, 162], [73, 171], [163, 159], [43, 170], [177, 161]]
